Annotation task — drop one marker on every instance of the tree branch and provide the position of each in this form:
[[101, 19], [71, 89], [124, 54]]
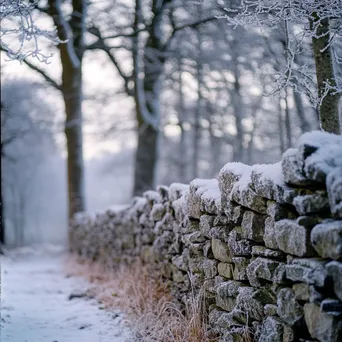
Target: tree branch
[[41, 72]]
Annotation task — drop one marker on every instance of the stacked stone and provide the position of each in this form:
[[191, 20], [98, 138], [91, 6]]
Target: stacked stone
[[261, 246]]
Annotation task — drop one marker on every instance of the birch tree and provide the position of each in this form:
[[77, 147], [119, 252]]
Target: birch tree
[[318, 21]]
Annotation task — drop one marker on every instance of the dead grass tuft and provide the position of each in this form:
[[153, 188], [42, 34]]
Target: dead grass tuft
[[146, 300]]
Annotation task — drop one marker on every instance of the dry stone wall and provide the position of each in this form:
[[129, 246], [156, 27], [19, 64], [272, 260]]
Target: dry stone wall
[[262, 243]]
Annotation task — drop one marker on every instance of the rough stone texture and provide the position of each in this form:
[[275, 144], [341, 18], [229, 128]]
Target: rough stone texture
[[262, 243], [292, 238], [289, 309], [334, 269], [334, 187], [327, 239], [322, 326]]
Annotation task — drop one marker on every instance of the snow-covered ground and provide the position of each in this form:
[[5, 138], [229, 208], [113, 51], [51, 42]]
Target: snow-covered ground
[[35, 305]]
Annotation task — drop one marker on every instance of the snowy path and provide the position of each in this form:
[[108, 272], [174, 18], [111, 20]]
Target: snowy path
[[35, 305]]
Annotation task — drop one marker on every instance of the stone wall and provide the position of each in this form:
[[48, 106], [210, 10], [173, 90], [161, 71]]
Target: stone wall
[[262, 243]]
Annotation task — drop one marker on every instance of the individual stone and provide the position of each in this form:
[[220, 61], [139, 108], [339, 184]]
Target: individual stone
[[180, 262], [327, 239], [280, 211], [157, 212], [271, 330], [322, 326], [293, 173], [309, 271], [225, 270], [314, 203], [225, 295], [235, 213], [288, 308], [221, 250], [268, 181], [220, 232], [269, 234], [267, 253], [240, 265], [279, 276], [253, 226], [292, 238], [177, 190], [209, 268], [252, 301], [334, 188], [195, 237], [238, 246], [248, 198], [261, 269], [320, 163], [334, 269], [205, 224], [301, 291]]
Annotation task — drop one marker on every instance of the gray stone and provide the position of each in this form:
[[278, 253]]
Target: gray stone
[[195, 237], [271, 330], [220, 232], [279, 276], [321, 326], [268, 181], [209, 268], [293, 173], [221, 250], [248, 198], [301, 291], [157, 212], [280, 211], [240, 265], [334, 188], [327, 239], [237, 246], [206, 223], [323, 161], [267, 253], [334, 269], [253, 226], [225, 270], [261, 269], [314, 203], [269, 235], [180, 262], [225, 295], [234, 213], [292, 238], [309, 271], [288, 308], [252, 301]]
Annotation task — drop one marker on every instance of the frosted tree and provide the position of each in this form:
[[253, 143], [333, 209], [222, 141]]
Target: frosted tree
[[319, 21], [19, 35]]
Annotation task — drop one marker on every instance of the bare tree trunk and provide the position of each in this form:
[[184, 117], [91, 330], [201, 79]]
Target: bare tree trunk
[[237, 105], [71, 55], [328, 110], [147, 99]]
